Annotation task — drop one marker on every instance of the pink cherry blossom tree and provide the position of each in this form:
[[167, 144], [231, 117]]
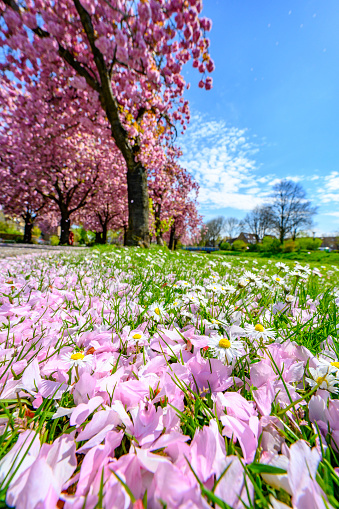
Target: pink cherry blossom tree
[[107, 209], [126, 58], [52, 154], [173, 193]]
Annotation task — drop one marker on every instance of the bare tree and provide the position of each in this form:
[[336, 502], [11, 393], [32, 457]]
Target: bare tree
[[291, 211], [212, 231], [231, 226], [259, 221]]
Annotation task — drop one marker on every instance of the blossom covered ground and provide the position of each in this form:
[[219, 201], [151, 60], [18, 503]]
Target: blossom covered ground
[[149, 379]]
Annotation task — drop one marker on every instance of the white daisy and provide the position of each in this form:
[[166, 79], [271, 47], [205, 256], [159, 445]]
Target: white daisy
[[331, 365], [281, 266], [177, 303], [243, 282], [215, 288], [278, 280], [229, 288], [136, 336], [226, 349], [156, 311], [258, 331], [77, 359], [322, 378]]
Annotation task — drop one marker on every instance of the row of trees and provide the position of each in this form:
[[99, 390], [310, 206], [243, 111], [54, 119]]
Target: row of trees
[[285, 215], [57, 170], [91, 97]]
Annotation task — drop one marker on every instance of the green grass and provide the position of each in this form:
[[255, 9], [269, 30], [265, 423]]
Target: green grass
[[302, 256]]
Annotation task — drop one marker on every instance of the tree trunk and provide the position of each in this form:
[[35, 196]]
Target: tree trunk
[[138, 207], [28, 228], [158, 231], [98, 237], [65, 224], [104, 234], [125, 235], [171, 243]]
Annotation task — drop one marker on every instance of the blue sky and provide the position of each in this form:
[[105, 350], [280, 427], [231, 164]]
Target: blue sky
[[273, 111]]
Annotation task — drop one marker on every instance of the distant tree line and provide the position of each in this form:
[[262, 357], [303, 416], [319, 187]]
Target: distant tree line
[[287, 213]]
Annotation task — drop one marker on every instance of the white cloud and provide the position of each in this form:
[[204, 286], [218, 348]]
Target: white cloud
[[334, 214], [222, 160], [328, 193], [332, 181]]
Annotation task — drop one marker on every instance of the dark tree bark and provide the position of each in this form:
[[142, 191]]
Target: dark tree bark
[[138, 208], [104, 233], [171, 243], [65, 225], [125, 235], [98, 238], [158, 231], [28, 228]]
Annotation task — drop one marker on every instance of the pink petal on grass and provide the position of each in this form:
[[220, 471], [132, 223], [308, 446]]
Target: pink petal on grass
[[82, 411]]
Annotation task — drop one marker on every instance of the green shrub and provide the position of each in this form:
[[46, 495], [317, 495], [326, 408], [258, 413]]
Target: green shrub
[[308, 244], [89, 238], [254, 247], [269, 245], [54, 240], [239, 245], [36, 232], [289, 246], [3, 227], [225, 246]]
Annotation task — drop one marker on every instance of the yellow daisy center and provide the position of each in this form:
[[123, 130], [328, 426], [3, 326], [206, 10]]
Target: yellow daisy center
[[277, 278], [321, 379], [157, 311], [225, 343], [137, 336], [77, 356], [259, 327], [335, 364]]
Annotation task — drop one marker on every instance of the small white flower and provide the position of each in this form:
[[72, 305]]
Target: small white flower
[[258, 331], [331, 365], [229, 288], [184, 284], [278, 280], [243, 282], [226, 349], [321, 376], [177, 303], [281, 266], [215, 288], [136, 336], [156, 311], [78, 359], [188, 314]]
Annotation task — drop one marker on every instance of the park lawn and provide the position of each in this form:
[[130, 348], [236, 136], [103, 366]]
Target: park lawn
[[312, 257], [162, 376]]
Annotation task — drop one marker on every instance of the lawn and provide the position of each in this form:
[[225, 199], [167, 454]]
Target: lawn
[[138, 379], [321, 257]]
